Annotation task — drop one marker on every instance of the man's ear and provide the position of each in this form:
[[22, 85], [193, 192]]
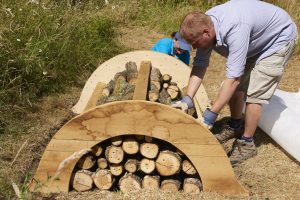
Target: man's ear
[[206, 33]]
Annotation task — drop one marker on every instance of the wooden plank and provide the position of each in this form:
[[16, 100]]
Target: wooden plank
[[70, 145], [136, 117], [202, 98], [198, 110], [194, 149], [141, 86], [46, 170], [92, 102]]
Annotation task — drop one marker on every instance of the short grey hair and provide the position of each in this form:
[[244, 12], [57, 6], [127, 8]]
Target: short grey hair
[[193, 25]]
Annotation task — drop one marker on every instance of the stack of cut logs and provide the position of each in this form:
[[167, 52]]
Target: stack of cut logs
[[121, 87], [133, 162]]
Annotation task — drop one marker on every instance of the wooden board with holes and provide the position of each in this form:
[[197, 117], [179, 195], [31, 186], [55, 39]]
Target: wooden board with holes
[[142, 118], [165, 63]]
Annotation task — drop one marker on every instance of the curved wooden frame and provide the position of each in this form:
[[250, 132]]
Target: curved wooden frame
[[137, 117], [106, 71]]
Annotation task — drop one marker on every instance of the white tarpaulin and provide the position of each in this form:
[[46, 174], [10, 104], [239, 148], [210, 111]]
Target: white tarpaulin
[[280, 119]]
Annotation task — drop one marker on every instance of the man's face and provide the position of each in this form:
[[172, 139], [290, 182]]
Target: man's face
[[203, 40]]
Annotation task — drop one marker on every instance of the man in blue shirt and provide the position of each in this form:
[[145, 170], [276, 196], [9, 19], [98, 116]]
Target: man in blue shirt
[[257, 38], [175, 46]]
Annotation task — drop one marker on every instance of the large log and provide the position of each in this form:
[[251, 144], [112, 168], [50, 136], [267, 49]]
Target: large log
[[147, 166], [170, 185], [192, 185], [130, 146], [86, 161], [164, 97], [149, 150], [188, 167], [82, 181], [168, 163], [103, 179], [132, 72], [153, 93], [173, 91], [121, 88], [156, 77], [131, 165], [151, 182], [102, 163], [116, 169], [130, 183], [114, 154]]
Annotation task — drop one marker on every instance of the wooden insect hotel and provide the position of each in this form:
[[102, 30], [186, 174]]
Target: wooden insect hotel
[[127, 137]]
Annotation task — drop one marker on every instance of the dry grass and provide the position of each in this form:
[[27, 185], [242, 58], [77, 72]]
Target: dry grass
[[272, 174], [53, 112]]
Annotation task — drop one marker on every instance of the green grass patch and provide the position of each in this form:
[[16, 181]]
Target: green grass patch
[[46, 47]]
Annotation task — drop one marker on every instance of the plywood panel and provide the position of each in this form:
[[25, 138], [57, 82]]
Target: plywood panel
[[139, 117]]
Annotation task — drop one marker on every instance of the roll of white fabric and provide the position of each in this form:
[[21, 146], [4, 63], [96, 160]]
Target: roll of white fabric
[[280, 119]]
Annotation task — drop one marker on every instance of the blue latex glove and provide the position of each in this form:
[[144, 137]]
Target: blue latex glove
[[184, 104], [209, 118]]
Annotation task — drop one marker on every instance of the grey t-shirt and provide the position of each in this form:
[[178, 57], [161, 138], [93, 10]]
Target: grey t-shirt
[[245, 29]]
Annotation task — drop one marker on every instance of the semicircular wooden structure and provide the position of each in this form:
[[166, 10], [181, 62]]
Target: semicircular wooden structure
[[165, 63], [136, 117]]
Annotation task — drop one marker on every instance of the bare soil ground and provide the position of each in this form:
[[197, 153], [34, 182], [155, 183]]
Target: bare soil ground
[[272, 174]]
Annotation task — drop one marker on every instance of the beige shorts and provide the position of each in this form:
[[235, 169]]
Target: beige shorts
[[260, 80]]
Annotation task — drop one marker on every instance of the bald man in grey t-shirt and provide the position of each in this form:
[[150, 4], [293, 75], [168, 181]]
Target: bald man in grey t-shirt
[[257, 38]]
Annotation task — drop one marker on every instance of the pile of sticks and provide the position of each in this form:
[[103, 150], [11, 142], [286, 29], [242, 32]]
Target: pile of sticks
[[133, 162], [161, 87]]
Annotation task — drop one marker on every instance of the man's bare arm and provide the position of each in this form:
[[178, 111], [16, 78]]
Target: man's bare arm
[[225, 93], [195, 80]]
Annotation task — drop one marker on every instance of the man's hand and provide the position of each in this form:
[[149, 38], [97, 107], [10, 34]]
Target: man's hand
[[184, 104], [209, 118]]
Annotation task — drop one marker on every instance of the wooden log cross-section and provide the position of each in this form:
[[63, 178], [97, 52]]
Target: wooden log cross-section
[[86, 162], [102, 163], [130, 146], [151, 182], [147, 166], [131, 165], [168, 163], [130, 183], [82, 181], [149, 150], [192, 185], [114, 154], [170, 185], [103, 179]]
